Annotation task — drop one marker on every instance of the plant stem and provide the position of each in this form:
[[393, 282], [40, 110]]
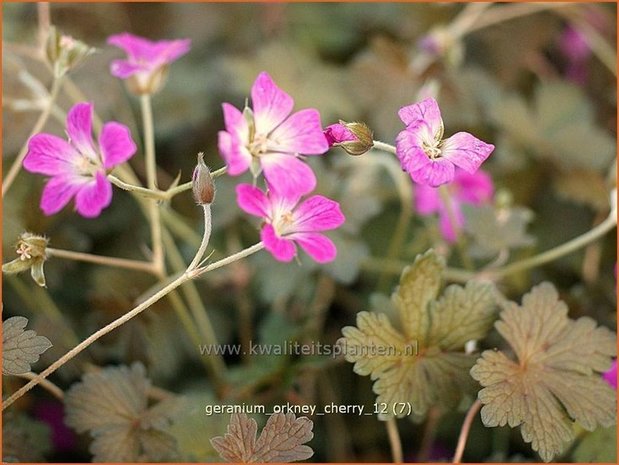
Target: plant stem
[[394, 440], [151, 180], [101, 260], [464, 432], [205, 237], [429, 433], [188, 275], [38, 126], [45, 384]]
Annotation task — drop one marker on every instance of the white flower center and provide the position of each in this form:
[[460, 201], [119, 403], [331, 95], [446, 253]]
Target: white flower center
[[432, 150], [283, 224]]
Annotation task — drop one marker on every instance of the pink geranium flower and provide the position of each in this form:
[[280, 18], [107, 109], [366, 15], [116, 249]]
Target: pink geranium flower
[[78, 167], [147, 61], [429, 158], [268, 138], [288, 223], [473, 189], [610, 376]]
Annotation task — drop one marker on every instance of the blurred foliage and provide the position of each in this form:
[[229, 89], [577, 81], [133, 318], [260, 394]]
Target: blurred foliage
[[506, 83]]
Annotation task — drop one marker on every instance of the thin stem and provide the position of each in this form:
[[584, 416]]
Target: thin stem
[[205, 237], [394, 440], [101, 260], [464, 432], [429, 433], [45, 384], [149, 193], [44, 22], [43, 117], [384, 147], [183, 278], [151, 181]]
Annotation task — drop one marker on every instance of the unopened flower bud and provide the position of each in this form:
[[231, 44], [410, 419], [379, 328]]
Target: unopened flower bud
[[31, 251], [64, 52], [203, 186], [354, 138]]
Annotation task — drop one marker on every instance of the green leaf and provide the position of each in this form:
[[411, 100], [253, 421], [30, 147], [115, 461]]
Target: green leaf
[[24, 439], [424, 363], [281, 440], [112, 404], [598, 446], [555, 380], [20, 348]]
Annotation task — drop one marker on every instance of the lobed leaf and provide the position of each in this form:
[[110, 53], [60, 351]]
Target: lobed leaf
[[20, 348], [555, 380]]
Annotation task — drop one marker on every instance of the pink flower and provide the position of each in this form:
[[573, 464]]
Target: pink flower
[[147, 61], [473, 189], [270, 139], [426, 156], [78, 167], [611, 375], [287, 224]]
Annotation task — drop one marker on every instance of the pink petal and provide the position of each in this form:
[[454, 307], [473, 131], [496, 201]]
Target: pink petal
[[301, 133], [434, 173], [172, 50], [318, 213], [610, 376], [474, 188], [410, 144], [79, 128], [337, 133], [94, 196], [146, 54], [124, 69], [235, 155], [50, 155], [282, 249], [270, 104], [427, 199], [445, 225], [58, 192], [253, 201], [317, 246], [466, 151], [116, 144], [428, 111], [134, 46], [287, 174], [235, 122]]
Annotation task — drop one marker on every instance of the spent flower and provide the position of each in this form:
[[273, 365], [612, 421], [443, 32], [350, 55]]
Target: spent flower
[[64, 53], [267, 138], [288, 222], [472, 189], [77, 167], [31, 254], [146, 65], [426, 156]]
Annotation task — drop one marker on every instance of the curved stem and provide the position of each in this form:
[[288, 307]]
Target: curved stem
[[205, 237], [394, 440], [101, 260], [43, 117], [466, 428], [183, 278]]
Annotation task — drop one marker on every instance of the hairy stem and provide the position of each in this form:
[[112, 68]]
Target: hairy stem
[[188, 275], [45, 384], [394, 440], [151, 180], [8, 180], [464, 432], [138, 265]]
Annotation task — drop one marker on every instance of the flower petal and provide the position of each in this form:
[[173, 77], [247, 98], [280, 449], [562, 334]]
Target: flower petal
[[235, 122], [79, 129], [282, 249], [318, 246], [235, 155], [337, 133], [116, 144], [124, 69], [409, 145], [253, 201], [445, 225], [94, 196], [427, 199], [318, 213], [287, 174], [434, 173], [466, 151], [428, 111], [50, 155], [301, 133], [151, 54], [58, 192], [270, 104], [474, 188]]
